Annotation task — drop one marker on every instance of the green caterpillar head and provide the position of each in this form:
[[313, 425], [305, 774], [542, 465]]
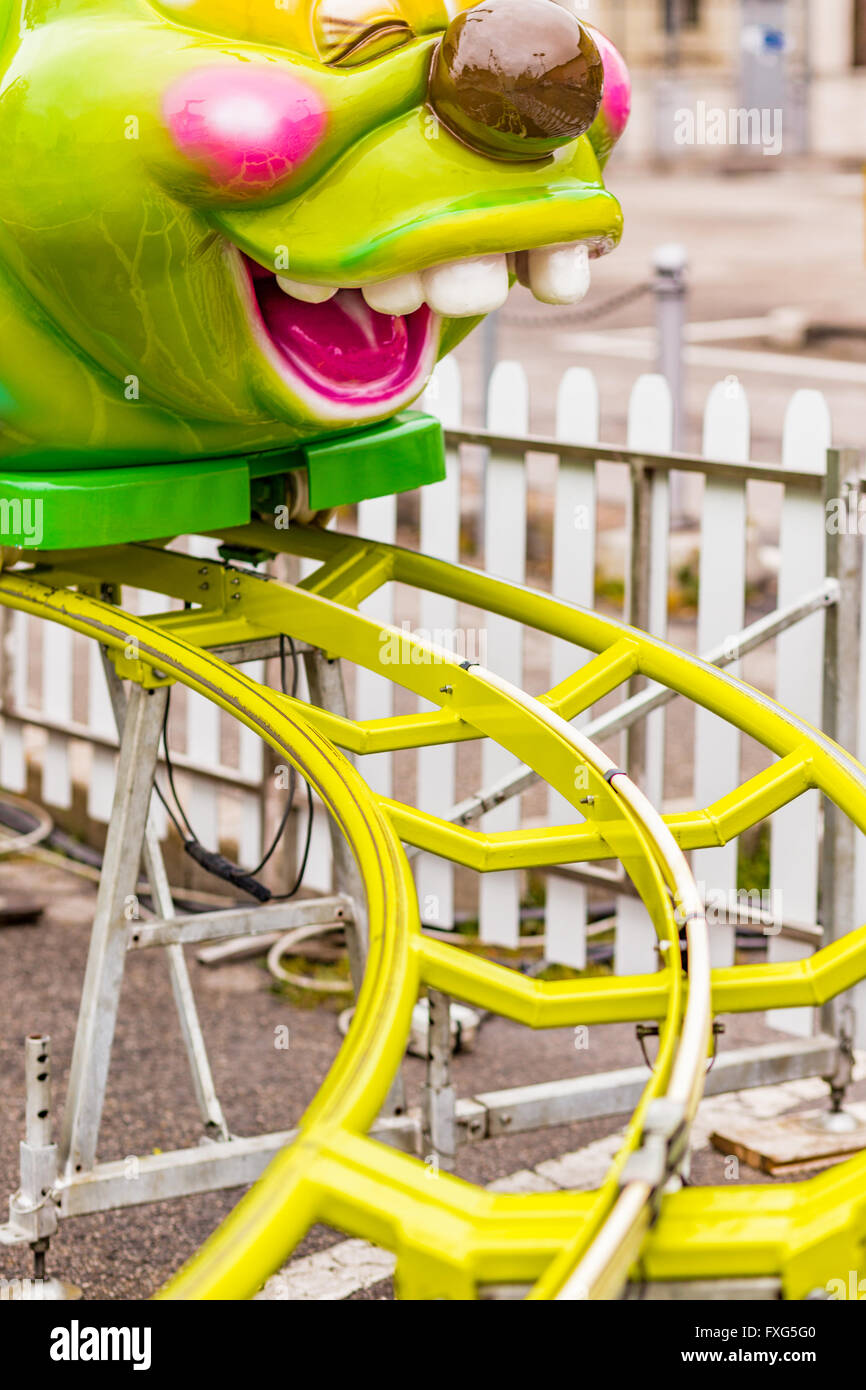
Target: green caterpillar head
[[229, 225]]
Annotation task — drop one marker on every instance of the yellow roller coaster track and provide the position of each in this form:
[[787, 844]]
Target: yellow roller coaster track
[[449, 1236]]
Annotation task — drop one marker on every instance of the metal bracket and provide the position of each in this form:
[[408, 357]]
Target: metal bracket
[[32, 1209], [664, 1145]]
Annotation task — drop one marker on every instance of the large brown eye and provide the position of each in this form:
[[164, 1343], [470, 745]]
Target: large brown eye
[[350, 32], [517, 78]]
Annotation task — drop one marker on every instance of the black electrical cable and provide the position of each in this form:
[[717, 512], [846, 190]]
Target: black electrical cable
[[293, 776], [185, 831], [169, 812], [309, 836], [306, 855], [216, 863]]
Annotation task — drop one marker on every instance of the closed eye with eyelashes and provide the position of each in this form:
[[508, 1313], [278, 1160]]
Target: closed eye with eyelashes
[[352, 44], [339, 33]]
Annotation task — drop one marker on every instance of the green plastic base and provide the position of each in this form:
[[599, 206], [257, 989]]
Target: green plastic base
[[111, 506]]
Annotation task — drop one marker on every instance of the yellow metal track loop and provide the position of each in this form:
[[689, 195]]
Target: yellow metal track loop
[[450, 1237]]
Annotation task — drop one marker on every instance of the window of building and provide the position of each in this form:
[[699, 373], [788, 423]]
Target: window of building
[[860, 33], [682, 14]]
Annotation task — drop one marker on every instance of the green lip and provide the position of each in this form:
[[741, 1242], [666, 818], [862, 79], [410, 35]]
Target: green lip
[[425, 216]]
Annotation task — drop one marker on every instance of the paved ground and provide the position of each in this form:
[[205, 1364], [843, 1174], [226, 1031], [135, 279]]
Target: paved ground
[[150, 1105]]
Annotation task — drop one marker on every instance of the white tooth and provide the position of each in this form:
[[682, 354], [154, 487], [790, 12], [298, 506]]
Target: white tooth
[[308, 294], [559, 274], [402, 295], [464, 288]]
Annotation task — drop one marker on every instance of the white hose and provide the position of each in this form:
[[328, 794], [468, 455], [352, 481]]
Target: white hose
[[287, 943], [20, 841]]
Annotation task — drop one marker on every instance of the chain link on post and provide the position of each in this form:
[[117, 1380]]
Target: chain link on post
[[558, 318]]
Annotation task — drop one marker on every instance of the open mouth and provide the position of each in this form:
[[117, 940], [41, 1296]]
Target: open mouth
[[353, 351], [334, 344]]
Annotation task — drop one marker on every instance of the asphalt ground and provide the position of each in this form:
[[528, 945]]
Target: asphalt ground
[[150, 1106]]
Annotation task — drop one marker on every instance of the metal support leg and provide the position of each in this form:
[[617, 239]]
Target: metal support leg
[[191, 1031], [440, 1126], [841, 712], [33, 1209], [105, 962], [325, 683], [32, 1213]]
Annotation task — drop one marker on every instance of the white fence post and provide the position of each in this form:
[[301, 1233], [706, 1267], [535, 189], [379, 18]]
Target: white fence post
[[100, 719], [505, 557], [320, 861], [573, 579], [650, 427], [13, 757], [843, 719], [721, 614], [374, 694], [439, 536], [857, 997], [251, 764], [795, 829], [57, 648], [201, 797]]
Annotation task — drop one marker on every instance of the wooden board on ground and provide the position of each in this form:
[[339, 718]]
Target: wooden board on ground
[[789, 1144]]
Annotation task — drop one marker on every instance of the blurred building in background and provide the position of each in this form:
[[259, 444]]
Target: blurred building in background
[[697, 61]]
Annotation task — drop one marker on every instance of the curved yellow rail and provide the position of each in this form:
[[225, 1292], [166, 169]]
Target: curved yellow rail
[[449, 1236], [291, 1194]]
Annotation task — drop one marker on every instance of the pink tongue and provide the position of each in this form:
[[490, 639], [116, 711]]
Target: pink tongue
[[342, 341]]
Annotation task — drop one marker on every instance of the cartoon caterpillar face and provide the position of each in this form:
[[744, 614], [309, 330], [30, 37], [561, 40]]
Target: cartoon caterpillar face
[[228, 225]]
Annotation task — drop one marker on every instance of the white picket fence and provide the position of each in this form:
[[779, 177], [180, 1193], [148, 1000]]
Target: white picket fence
[[512, 489], [57, 709], [57, 719]]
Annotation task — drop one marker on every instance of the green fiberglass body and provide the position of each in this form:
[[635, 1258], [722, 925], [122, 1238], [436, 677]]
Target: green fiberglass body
[[232, 226]]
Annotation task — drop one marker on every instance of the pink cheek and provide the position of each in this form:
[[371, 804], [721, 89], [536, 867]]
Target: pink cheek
[[253, 125], [616, 102]]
